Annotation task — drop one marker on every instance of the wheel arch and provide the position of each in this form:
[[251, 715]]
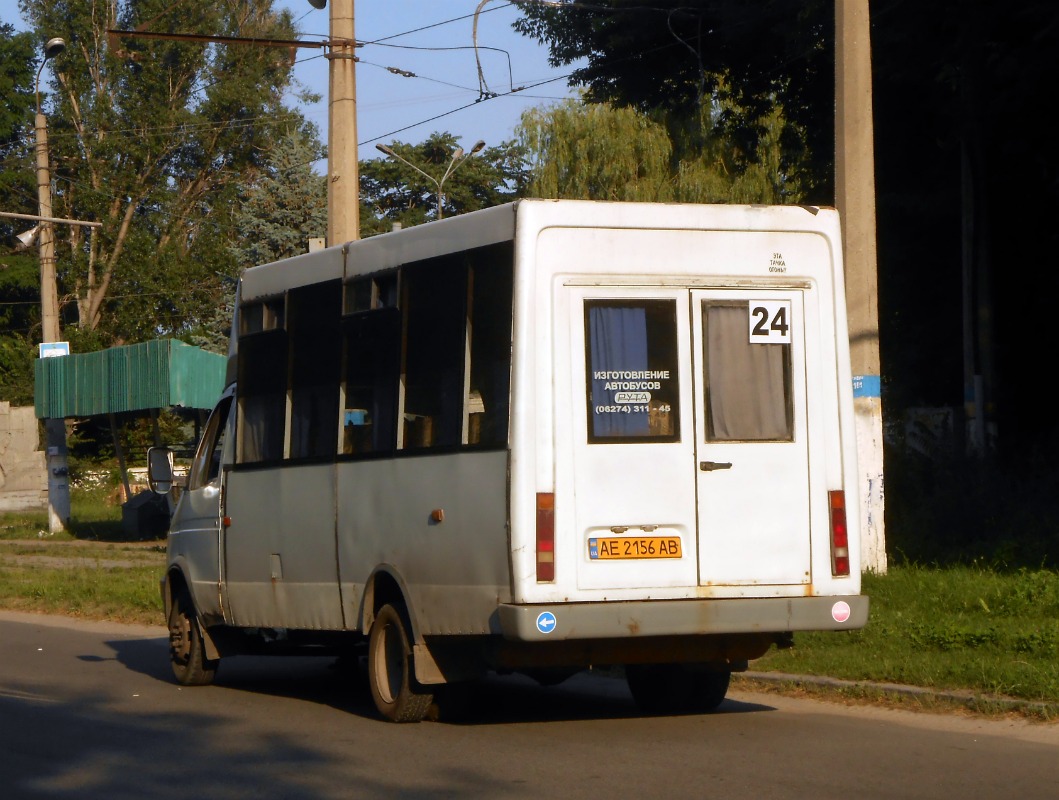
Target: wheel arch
[[386, 586], [175, 582]]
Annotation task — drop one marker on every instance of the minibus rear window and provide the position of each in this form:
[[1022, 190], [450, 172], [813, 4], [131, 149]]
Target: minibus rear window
[[633, 393], [749, 388]]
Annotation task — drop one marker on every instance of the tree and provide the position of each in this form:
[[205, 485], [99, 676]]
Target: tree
[[394, 192], [598, 152], [280, 209], [152, 138], [718, 69], [18, 58], [968, 184], [284, 205], [595, 151], [19, 272], [19, 325]]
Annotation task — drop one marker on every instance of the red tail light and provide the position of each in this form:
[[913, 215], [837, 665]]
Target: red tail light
[[545, 537], [839, 534]]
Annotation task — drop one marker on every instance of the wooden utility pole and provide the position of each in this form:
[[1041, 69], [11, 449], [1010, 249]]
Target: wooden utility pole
[[343, 180], [855, 199]]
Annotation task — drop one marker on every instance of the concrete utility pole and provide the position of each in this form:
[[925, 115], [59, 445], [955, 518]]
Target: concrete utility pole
[[343, 179], [54, 429], [855, 199], [49, 296]]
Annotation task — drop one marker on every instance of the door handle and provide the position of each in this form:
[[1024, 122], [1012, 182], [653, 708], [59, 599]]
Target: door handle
[[710, 466]]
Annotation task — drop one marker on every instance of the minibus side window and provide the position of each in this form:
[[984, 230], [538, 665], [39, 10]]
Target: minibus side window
[[206, 466], [427, 354], [490, 339], [372, 361], [314, 327], [262, 396], [435, 303]]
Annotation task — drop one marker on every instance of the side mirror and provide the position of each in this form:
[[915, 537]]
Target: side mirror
[[160, 469]]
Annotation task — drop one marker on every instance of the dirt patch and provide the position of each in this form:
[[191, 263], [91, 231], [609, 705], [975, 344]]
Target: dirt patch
[[58, 562], [81, 554]]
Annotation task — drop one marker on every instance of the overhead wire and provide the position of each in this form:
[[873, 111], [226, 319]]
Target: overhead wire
[[455, 110], [483, 95], [483, 90], [381, 41]]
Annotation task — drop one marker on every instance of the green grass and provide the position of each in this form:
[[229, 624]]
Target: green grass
[[948, 628], [93, 516], [83, 589], [86, 571]]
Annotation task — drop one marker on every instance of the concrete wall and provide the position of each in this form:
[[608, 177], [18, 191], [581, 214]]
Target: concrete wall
[[23, 474]]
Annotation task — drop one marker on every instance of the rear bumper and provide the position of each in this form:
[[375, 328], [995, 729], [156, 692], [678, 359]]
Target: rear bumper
[[615, 620]]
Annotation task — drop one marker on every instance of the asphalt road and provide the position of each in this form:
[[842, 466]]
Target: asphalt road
[[88, 710]]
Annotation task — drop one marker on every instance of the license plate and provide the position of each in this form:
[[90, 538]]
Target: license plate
[[621, 547]]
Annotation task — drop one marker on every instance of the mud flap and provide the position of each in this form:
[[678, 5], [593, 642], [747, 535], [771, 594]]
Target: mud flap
[[426, 668], [212, 653]]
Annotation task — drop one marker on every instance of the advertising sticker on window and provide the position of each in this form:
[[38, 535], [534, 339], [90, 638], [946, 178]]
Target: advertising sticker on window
[[632, 376]]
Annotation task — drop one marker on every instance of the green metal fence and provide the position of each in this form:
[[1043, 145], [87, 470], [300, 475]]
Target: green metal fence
[[156, 374]]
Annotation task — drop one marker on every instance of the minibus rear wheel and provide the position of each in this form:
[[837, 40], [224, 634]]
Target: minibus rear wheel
[[709, 687], [677, 688], [659, 688], [398, 696]]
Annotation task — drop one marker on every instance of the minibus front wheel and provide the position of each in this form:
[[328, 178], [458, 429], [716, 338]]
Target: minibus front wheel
[[398, 696], [187, 652]]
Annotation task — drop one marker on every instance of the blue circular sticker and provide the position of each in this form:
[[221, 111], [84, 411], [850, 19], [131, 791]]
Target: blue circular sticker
[[546, 622]]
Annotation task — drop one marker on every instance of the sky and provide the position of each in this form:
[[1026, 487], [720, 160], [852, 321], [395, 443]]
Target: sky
[[433, 40]]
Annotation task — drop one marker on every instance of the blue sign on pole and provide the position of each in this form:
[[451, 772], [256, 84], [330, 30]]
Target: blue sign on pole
[[867, 386]]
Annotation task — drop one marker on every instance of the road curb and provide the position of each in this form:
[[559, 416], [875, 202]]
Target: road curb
[[973, 700]]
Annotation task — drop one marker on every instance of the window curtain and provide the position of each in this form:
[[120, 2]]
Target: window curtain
[[618, 343]]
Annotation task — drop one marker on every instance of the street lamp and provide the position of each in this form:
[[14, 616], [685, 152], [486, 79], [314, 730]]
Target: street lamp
[[54, 429], [49, 297], [458, 158]]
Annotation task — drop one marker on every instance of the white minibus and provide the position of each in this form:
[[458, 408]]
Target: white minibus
[[543, 437]]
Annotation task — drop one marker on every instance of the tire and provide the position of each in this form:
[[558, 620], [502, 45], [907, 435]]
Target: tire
[[709, 688], [659, 688], [676, 688], [397, 694], [187, 653]]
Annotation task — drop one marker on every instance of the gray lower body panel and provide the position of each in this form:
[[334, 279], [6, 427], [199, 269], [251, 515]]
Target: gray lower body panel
[[610, 620]]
